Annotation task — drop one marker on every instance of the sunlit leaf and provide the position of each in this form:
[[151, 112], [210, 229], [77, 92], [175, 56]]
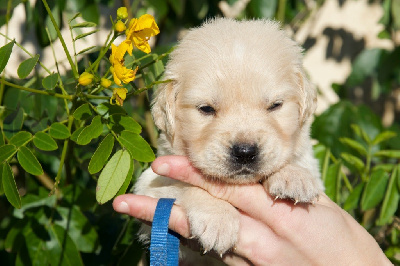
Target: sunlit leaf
[[354, 161], [332, 181], [50, 81], [26, 67], [86, 50], [84, 25], [75, 16], [354, 145], [10, 187], [113, 176], [28, 161], [44, 142], [354, 198], [391, 200], [388, 153], [101, 154], [83, 35], [107, 109], [5, 53], [383, 137], [21, 138], [374, 190], [127, 181], [59, 131], [139, 149], [6, 151]]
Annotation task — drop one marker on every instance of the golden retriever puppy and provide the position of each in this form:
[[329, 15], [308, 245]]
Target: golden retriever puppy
[[239, 107]]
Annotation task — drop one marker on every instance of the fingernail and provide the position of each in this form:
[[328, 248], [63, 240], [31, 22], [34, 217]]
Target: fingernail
[[122, 207], [163, 169]]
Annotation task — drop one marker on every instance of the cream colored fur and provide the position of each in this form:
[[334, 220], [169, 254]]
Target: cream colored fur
[[241, 69]]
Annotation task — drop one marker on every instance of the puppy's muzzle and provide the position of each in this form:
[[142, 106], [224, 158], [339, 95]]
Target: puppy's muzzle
[[244, 154]]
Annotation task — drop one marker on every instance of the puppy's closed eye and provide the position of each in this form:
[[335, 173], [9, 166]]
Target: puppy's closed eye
[[275, 106], [206, 109]]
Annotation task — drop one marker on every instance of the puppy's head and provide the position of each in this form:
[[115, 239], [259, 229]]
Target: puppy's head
[[239, 104]]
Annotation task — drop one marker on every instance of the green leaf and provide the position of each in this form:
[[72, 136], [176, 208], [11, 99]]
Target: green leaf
[[383, 137], [101, 154], [28, 161], [76, 133], [139, 149], [10, 187], [61, 248], [395, 13], [178, 6], [80, 230], [86, 49], [332, 181], [113, 176], [83, 112], [84, 25], [1, 178], [21, 138], [59, 131], [374, 190], [6, 151], [107, 109], [26, 67], [364, 65], [391, 200], [50, 81], [354, 161], [12, 124], [263, 9], [354, 145], [127, 181], [5, 53], [44, 142], [90, 132], [74, 17], [354, 198], [120, 123], [83, 35], [388, 153]]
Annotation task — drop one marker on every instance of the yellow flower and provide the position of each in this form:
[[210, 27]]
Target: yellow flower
[[122, 74], [140, 30], [118, 69], [118, 52], [85, 78], [119, 94], [120, 26], [122, 13], [105, 82]]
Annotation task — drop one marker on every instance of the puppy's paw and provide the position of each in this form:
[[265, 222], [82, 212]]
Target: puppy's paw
[[216, 228], [214, 222], [294, 183]]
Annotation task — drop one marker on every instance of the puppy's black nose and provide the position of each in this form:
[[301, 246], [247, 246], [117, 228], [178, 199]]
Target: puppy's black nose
[[244, 153]]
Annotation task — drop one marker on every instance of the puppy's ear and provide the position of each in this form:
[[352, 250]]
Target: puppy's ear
[[308, 101], [163, 108]]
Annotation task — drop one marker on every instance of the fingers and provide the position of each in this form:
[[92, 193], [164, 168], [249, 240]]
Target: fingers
[[143, 208], [179, 168]]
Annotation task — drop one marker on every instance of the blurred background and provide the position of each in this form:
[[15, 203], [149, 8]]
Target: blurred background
[[351, 54]]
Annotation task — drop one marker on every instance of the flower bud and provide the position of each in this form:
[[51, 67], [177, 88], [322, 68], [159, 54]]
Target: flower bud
[[85, 78], [122, 13], [120, 26], [105, 82]]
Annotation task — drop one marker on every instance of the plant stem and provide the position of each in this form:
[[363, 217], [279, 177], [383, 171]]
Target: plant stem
[[68, 97], [62, 160], [103, 52], [281, 11], [74, 70]]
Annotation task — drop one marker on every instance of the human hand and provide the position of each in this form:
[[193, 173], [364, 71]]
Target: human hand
[[272, 232]]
